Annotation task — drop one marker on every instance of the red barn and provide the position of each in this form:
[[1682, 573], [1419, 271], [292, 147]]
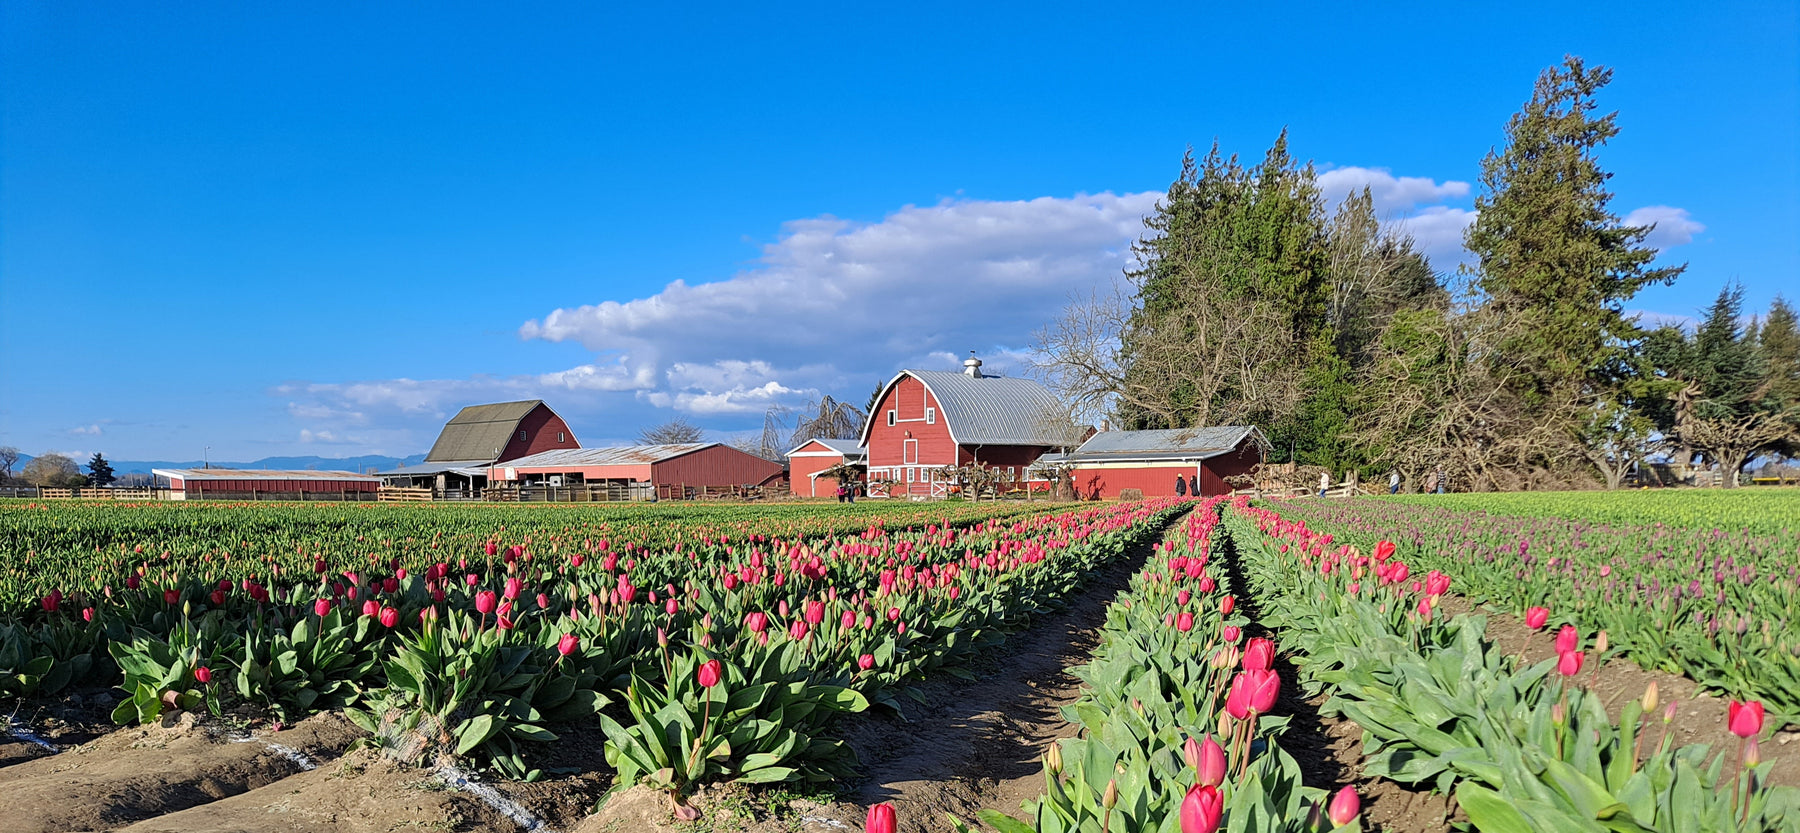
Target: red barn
[[1151, 461], [692, 465], [925, 420], [817, 455], [480, 436]]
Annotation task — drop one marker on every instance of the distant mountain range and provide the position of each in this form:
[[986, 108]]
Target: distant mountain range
[[355, 464]]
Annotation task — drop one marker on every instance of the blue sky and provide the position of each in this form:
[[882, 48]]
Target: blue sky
[[312, 230]]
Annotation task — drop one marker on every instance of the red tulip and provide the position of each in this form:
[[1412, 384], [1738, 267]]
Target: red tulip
[[1568, 639], [1569, 664], [1536, 617], [1208, 763], [1227, 606], [1237, 698], [1265, 686], [484, 602], [171, 596], [882, 819], [797, 630], [218, 599], [1183, 597], [1184, 622], [87, 614], [757, 621], [322, 607], [1344, 806], [371, 608], [1744, 719], [567, 644], [203, 675], [389, 617], [1384, 550], [711, 671], [865, 662], [133, 581], [513, 586], [1201, 809], [1259, 654], [815, 612]]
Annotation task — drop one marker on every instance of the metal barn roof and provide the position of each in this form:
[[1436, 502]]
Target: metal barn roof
[[479, 432], [1164, 444], [466, 468], [994, 410], [623, 455], [261, 474]]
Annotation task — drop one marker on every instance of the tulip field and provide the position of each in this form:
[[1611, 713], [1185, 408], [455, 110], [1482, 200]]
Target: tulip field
[[677, 650]]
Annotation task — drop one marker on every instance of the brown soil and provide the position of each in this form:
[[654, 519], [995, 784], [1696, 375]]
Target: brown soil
[[139, 773], [359, 794]]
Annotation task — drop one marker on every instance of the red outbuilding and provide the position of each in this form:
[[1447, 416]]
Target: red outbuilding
[[818, 455], [688, 467], [927, 420], [1152, 461], [262, 484], [480, 436]]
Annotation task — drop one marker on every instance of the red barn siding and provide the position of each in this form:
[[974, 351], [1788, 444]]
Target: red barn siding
[[195, 486], [719, 465], [1247, 456], [800, 470], [641, 472], [1016, 457], [909, 398], [1101, 484], [541, 426]]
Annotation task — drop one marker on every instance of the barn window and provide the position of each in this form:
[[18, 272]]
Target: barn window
[[930, 416], [910, 473], [521, 435], [890, 417], [559, 436]]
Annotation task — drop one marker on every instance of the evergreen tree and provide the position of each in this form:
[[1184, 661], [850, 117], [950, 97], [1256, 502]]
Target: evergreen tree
[[100, 472]]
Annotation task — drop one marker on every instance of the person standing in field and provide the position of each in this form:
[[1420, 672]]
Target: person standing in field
[[1394, 482], [1324, 482], [1431, 483], [1180, 486]]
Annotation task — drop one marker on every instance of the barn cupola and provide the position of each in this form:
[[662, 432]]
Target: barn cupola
[[972, 366]]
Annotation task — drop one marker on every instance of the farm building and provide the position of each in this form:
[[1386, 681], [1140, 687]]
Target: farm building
[[480, 436], [679, 470], [818, 455], [1150, 461], [259, 484], [925, 420]]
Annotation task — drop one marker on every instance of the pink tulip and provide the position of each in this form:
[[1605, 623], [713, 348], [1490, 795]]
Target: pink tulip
[[1183, 597], [1265, 687], [1184, 622], [389, 617], [1209, 763], [203, 675], [1536, 617], [513, 586], [881, 819], [1344, 806], [757, 621], [865, 662], [1568, 640], [1201, 809], [484, 602], [1569, 664], [815, 612], [1227, 606], [322, 607], [1744, 719], [1259, 654], [567, 644], [797, 630], [371, 608]]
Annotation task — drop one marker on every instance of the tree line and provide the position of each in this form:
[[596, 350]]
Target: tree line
[[55, 471], [1249, 302]]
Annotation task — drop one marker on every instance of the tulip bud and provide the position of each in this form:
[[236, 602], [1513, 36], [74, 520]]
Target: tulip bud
[[203, 675], [1558, 714], [881, 819], [1752, 754], [1111, 798], [1053, 761], [1650, 697], [1600, 643], [1669, 713], [1344, 806]]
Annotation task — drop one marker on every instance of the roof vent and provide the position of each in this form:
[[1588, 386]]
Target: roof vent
[[972, 366]]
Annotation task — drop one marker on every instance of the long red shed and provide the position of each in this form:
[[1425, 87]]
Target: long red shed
[[925, 420], [1151, 461], [684, 464], [263, 484]]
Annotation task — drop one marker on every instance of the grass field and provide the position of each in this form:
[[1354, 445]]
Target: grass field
[[1764, 510]]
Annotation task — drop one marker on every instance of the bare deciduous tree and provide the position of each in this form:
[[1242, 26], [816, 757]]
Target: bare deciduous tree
[[9, 457], [677, 430]]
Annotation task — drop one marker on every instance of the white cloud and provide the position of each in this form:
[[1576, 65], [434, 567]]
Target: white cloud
[[1438, 232], [1674, 227], [320, 436], [1391, 194], [86, 430]]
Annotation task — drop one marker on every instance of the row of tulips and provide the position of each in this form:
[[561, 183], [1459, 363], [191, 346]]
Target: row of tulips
[[705, 662], [1521, 749], [1175, 717], [68, 545], [1719, 606]]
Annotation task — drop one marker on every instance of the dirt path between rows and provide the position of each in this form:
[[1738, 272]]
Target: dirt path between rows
[[975, 745]]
